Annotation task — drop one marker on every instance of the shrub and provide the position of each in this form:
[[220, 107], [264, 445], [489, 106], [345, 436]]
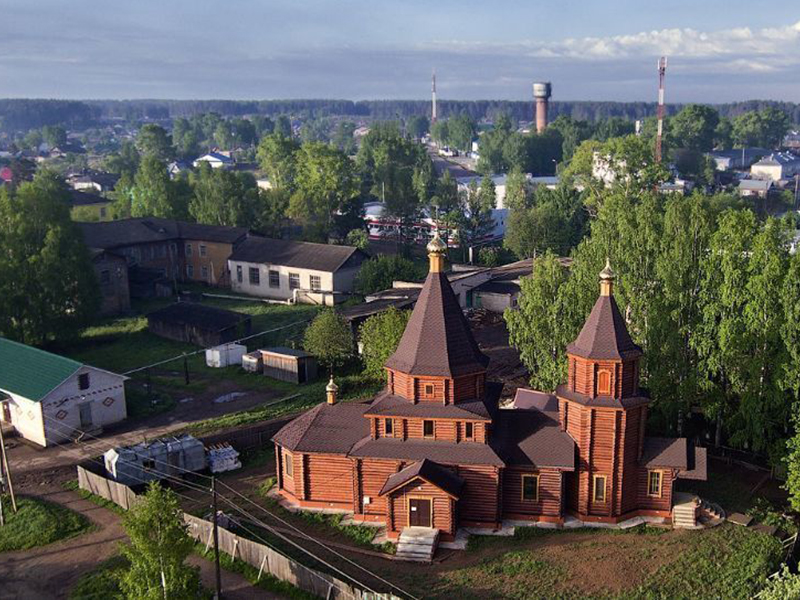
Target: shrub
[[380, 335]]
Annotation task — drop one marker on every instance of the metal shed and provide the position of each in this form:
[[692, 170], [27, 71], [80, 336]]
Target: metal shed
[[288, 364]]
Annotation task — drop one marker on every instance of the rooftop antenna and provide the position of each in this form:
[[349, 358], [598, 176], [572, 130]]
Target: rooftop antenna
[[433, 97], [662, 71]]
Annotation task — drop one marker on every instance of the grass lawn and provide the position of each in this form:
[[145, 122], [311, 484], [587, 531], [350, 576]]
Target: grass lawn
[[640, 564], [37, 523], [124, 343], [101, 583]]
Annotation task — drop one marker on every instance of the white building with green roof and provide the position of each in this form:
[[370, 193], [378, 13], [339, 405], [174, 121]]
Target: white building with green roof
[[49, 398]]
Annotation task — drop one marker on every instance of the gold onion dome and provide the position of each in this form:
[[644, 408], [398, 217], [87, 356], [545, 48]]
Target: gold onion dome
[[607, 274], [436, 245], [331, 387]]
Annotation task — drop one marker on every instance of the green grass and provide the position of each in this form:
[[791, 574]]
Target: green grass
[[725, 562], [38, 523], [352, 387], [93, 498], [140, 404], [102, 582]]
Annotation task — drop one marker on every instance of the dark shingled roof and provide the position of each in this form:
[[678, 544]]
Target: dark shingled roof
[[676, 453], [665, 452], [79, 198], [387, 404], [198, 315], [534, 399], [532, 437], [437, 475], [450, 453], [698, 465], [147, 230], [437, 340], [332, 428], [604, 335], [302, 255], [563, 391]]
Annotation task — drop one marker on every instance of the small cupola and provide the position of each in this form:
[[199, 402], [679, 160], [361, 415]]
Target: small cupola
[[331, 390], [607, 277], [437, 252]]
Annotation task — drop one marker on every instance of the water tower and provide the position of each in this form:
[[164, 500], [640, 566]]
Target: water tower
[[541, 95]]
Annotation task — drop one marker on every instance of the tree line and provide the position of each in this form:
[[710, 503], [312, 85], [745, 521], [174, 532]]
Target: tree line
[[710, 292], [25, 114]]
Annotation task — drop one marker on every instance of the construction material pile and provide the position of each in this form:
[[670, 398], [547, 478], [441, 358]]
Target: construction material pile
[[223, 457]]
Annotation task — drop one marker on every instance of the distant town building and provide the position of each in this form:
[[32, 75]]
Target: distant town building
[[177, 250], [264, 184], [89, 207], [776, 166], [727, 160], [198, 324], [216, 160], [755, 187], [295, 271], [49, 398], [177, 167], [792, 140], [95, 181], [111, 270]]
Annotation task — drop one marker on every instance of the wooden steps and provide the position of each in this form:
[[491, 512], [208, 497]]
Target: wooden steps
[[417, 544]]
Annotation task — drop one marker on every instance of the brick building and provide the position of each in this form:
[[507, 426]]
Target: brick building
[[433, 449]]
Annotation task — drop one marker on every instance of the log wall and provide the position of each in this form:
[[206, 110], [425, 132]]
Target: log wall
[[480, 500], [328, 478], [549, 502], [442, 505]]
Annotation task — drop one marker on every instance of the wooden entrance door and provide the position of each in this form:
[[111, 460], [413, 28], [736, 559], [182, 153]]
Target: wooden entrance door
[[86, 415], [419, 512]]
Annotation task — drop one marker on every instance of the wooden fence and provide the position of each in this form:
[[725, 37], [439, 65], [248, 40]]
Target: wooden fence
[[250, 438], [259, 556]]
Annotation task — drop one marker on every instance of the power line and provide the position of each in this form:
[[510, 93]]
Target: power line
[[202, 350], [197, 488], [316, 541]]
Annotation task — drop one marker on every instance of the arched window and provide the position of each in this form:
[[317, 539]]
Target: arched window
[[603, 383]]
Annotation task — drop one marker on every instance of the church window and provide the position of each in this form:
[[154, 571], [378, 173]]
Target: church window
[[530, 488], [599, 488], [427, 428], [388, 427], [469, 430], [654, 480], [288, 464]]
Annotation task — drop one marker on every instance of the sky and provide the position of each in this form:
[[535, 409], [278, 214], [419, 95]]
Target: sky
[[376, 49]]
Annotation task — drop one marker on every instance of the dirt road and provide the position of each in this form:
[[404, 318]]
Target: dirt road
[[51, 571]]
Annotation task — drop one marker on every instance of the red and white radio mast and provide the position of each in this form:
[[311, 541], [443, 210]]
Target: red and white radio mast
[[662, 71]]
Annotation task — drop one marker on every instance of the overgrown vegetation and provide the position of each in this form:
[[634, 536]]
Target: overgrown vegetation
[[38, 523]]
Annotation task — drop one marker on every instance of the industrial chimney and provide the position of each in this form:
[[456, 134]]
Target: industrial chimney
[[541, 95]]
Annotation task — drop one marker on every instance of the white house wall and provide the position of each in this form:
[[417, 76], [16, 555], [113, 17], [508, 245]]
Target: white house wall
[[61, 407], [26, 417], [282, 292]]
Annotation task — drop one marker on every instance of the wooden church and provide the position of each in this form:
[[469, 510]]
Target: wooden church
[[434, 450]]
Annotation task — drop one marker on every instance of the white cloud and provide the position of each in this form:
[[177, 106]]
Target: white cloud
[[688, 43]]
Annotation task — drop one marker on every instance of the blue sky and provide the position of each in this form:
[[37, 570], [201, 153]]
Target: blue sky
[[356, 49]]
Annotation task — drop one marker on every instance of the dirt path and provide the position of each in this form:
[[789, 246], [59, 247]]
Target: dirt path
[[51, 571], [28, 459]]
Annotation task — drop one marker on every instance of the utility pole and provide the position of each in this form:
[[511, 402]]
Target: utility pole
[[662, 70], [216, 537], [434, 116], [6, 470]]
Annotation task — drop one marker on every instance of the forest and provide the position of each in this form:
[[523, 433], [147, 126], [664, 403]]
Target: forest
[[24, 114]]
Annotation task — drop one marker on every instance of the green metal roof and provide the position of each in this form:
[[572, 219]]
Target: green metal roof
[[30, 372]]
